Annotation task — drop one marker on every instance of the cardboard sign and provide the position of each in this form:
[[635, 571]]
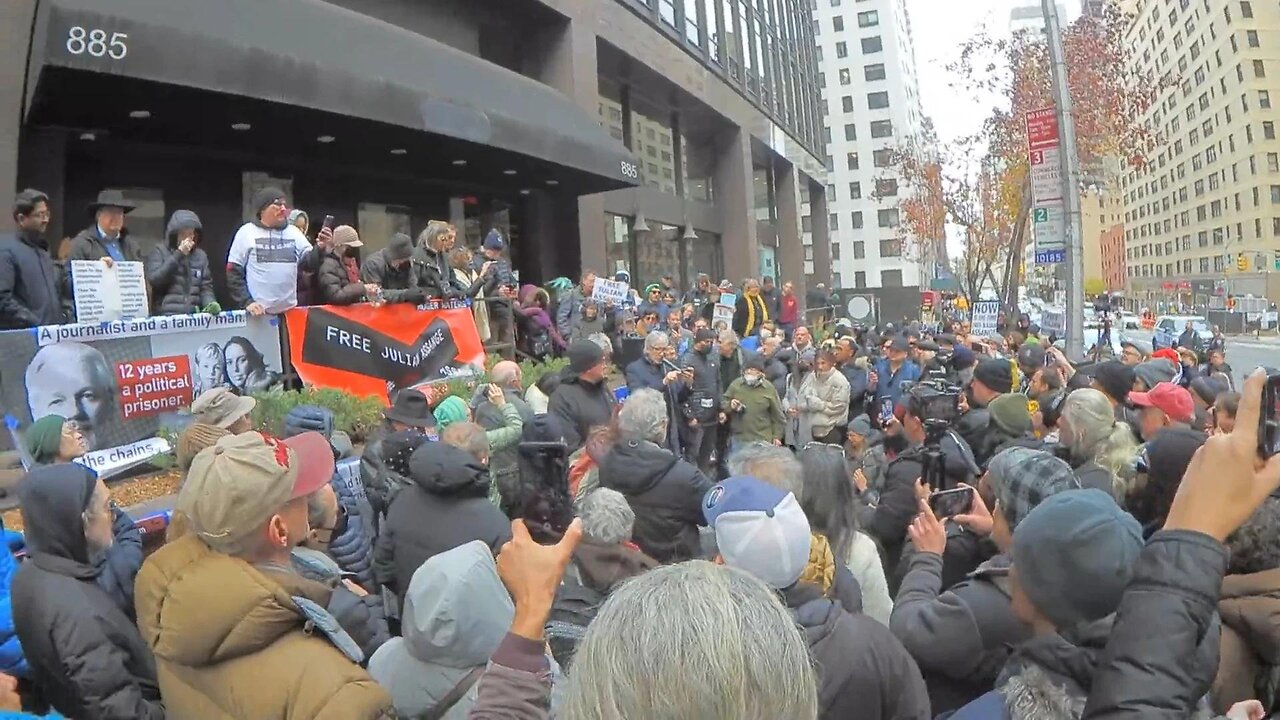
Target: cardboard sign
[[986, 317], [104, 293]]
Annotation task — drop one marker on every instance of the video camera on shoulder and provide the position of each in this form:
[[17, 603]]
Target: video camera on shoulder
[[936, 402]]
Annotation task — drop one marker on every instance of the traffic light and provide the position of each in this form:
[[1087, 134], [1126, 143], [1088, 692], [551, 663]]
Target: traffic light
[[1242, 263]]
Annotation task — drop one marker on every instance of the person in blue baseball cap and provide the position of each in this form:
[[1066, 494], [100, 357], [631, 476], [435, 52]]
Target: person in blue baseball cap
[[761, 529]]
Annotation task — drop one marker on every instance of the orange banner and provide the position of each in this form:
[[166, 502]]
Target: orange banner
[[369, 350]]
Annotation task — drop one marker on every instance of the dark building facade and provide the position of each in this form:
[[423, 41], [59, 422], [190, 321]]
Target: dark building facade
[[660, 137]]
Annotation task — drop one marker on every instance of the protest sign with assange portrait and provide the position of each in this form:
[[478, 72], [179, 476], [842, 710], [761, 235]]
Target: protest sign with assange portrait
[[124, 381]]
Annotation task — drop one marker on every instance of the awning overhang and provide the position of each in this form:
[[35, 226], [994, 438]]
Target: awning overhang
[[313, 54]]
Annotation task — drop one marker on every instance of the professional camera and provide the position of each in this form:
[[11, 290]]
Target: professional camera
[[937, 404]]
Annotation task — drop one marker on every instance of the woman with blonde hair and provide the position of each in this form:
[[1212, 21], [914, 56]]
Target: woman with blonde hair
[[465, 275], [431, 260], [1102, 449]]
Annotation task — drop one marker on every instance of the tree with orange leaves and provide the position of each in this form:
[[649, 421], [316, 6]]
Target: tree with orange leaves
[[981, 183]]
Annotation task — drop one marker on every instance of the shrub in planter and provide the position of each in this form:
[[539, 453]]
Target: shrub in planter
[[356, 415]]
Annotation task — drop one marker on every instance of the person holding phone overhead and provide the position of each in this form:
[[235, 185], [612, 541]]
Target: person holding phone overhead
[[267, 254]]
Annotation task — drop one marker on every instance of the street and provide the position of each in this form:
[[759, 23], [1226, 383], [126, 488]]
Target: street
[[1244, 352]]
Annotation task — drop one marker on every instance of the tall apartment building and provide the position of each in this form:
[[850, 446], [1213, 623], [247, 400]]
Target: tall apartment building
[[1211, 191], [871, 101]]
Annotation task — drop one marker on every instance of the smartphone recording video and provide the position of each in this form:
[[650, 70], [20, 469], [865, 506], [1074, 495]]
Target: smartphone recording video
[[949, 503], [1269, 420]]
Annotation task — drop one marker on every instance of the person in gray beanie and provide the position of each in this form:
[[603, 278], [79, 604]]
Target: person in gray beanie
[[604, 559], [1073, 556], [178, 270], [391, 268], [1154, 372], [961, 636]]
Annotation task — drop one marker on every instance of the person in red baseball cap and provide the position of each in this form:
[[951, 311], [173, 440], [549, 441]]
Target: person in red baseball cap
[[1165, 405]]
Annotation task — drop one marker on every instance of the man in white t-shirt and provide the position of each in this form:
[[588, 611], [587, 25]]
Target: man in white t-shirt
[[266, 254]]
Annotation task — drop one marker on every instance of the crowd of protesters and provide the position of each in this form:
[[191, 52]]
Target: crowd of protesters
[[749, 518]]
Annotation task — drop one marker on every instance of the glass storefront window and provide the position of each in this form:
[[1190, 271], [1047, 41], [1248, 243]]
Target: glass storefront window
[[657, 254], [618, 243], [765, 209], [702, 255], [699, 168], [653, 142], [610, 107]]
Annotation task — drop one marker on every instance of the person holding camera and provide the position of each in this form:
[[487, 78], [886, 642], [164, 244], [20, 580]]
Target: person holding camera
[[655, 371], [751, 408], [893, 371], [992, 378], [702, 405], [889, 519]]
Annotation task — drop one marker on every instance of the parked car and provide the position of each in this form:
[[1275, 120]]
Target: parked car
[[1169, 327], [1130, 321]]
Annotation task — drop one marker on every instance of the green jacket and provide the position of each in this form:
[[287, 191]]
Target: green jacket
[[507, 436], [762, 420]]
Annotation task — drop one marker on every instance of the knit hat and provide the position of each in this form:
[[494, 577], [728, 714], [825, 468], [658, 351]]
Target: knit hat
[[1021, 478], [450, 410], [295, 213], [1031, 357], [221, 406], [1167, 354], [996, 374], [1154, 372], [398, 447], [346, 236], [753, 362], [264, 197], [493, 241], [1208, 388], [239, 483], [1115, 378], [196, 437], [759, 529], [1010, 413], [43, 438], [1172, 400], [584, 355], [651, 287], [962, 358], [1075, 554], [861, 425], [400, 247]]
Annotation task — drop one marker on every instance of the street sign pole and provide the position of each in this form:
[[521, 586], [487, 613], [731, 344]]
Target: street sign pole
[[1070, 182]]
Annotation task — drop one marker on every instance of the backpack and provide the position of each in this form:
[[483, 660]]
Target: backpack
[[574, 608]]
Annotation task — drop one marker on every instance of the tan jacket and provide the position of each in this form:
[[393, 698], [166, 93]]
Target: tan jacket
[[1249, 607], [229, 643]]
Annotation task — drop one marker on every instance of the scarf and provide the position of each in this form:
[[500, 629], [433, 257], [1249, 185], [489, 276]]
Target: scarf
[[753, 298], [353, 269]]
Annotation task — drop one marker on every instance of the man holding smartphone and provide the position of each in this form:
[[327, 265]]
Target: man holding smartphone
[[266, 255]]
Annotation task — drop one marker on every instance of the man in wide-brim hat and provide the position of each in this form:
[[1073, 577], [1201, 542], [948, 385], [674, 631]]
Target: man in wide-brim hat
[[106, 239]]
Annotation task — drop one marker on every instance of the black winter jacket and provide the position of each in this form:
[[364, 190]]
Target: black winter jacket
[[974, 426], [87, 658], [446, 506], [580, 406], [33, 291], [703, 403], [1162, 650], [961, 637], [397, 285], [435, 274], [180, 284], [332, 286], [88, 245], [664, 491], [864, 673], [888, 521]]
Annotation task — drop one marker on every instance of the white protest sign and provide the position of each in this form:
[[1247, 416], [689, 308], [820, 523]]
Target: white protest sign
[[104, 294], [986, 317], [347, 471], [610, 291], [113, 461]]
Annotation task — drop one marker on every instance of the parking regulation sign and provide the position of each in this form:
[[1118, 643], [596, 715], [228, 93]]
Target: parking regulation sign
[[1048, 212]]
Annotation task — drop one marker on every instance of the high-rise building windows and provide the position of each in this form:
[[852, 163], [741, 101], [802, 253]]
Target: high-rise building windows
[[867, 19], [872, 45], [838, 23], [877, 100], [881, 128], [874, 72]]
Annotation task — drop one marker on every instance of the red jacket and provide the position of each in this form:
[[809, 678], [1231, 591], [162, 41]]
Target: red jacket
[[790, 309]]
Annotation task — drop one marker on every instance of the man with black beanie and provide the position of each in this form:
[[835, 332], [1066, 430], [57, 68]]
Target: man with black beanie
[[582, 401], [391, 268], [267, 254], [992, 378]]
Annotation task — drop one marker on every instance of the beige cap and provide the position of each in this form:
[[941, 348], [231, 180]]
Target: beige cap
[[220, 406], [239, 483], [346, 236]]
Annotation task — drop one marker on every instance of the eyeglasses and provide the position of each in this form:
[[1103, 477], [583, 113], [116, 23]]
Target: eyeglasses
[[828, 446]]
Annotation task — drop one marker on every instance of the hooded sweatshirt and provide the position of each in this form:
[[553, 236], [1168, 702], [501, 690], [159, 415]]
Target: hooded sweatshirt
[[86, 656], [180, 284], [456, 612], [446, 505]]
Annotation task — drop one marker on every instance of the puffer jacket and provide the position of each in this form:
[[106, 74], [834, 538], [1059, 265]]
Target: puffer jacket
[[446, 506], [961, 637], [864, 673], [458, 612], [703, 403], [86, 656], [580, 406], [353, 547], [255, 651], [1163, 647], [397, 285], [1250, 646], [332, 286], [180, 284], [12, 661], [664, 491]]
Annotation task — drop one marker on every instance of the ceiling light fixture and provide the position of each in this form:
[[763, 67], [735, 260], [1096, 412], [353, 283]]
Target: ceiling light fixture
[[240, 127], [140, 114], [326, 139], [88, 136], [525, 191], [399, 151], [460, 163], [553, 183], [508, 172]]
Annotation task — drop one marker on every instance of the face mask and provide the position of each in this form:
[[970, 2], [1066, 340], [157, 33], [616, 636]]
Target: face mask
[[753, 379]]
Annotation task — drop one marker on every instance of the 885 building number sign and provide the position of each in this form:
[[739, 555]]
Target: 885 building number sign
[[96, 42]]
